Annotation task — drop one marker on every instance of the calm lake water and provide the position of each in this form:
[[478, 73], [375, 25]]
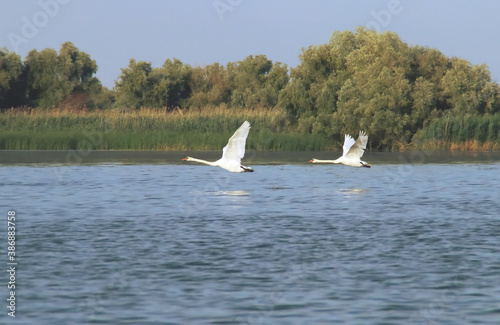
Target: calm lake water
[[144, 238]]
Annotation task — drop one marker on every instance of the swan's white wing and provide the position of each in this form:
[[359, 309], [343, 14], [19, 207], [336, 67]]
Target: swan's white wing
[[348, 142], [358, 148], [235, 148]]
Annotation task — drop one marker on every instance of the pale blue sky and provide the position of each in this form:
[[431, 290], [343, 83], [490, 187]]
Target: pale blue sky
[[203, 32]]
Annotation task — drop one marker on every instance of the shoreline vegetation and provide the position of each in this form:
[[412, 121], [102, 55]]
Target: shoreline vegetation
[[209, 129], [404, 97], [150, 129]]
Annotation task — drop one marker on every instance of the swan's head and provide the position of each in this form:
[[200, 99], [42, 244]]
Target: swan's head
[[188, 159], [314, 160]]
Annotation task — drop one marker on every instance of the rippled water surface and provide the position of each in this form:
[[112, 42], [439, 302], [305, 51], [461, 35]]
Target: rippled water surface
[[148, 240]]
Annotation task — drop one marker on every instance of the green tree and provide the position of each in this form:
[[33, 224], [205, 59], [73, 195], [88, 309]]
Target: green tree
[[256, 81], [210, 86], [176, 78], [357, 80], [132, 83], [376, 82], [10, 72], [428, 67], [315, 82], [53, 78], [78, 69], [424, 103], [140, 85], [103, 99], [313, 93], [428, 63], [46, 87], [469, 89], [376, 98]]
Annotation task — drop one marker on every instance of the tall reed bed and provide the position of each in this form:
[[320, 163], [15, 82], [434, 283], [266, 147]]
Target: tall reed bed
[[149, 129], [461, 133]]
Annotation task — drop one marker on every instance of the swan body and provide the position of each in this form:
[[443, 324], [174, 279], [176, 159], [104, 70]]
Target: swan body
[[232, 153], [351, 152]]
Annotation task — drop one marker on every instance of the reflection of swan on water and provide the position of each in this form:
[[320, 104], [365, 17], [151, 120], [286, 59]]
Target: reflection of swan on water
[[232, 193], [351, 153], [232, 153], [352, 191]]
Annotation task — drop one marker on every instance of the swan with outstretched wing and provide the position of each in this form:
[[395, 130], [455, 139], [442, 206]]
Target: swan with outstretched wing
[[352, 151], [232, 153]]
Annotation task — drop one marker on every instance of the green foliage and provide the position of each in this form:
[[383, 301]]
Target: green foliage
[[357, 80], [376, 96], [132, 83], [10, 71], [376, 82], [253, 82], [469, 89], [53, 78], [140, 85], [210, 86], [256, 81], [103, 99]]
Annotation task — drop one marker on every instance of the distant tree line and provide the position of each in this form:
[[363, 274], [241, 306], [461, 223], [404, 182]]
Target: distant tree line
[[358, 80], [47, 79], [255, 81]]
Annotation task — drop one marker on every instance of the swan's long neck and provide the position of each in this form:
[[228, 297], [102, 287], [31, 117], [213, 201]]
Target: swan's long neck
[[319, 161], [204, 161]]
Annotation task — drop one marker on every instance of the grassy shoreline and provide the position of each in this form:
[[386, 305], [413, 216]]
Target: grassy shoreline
[[209, 129], [150, 129], [460, 133]]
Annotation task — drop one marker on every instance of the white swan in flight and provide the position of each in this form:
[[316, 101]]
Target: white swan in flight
[[352, 152], [232, 153]]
